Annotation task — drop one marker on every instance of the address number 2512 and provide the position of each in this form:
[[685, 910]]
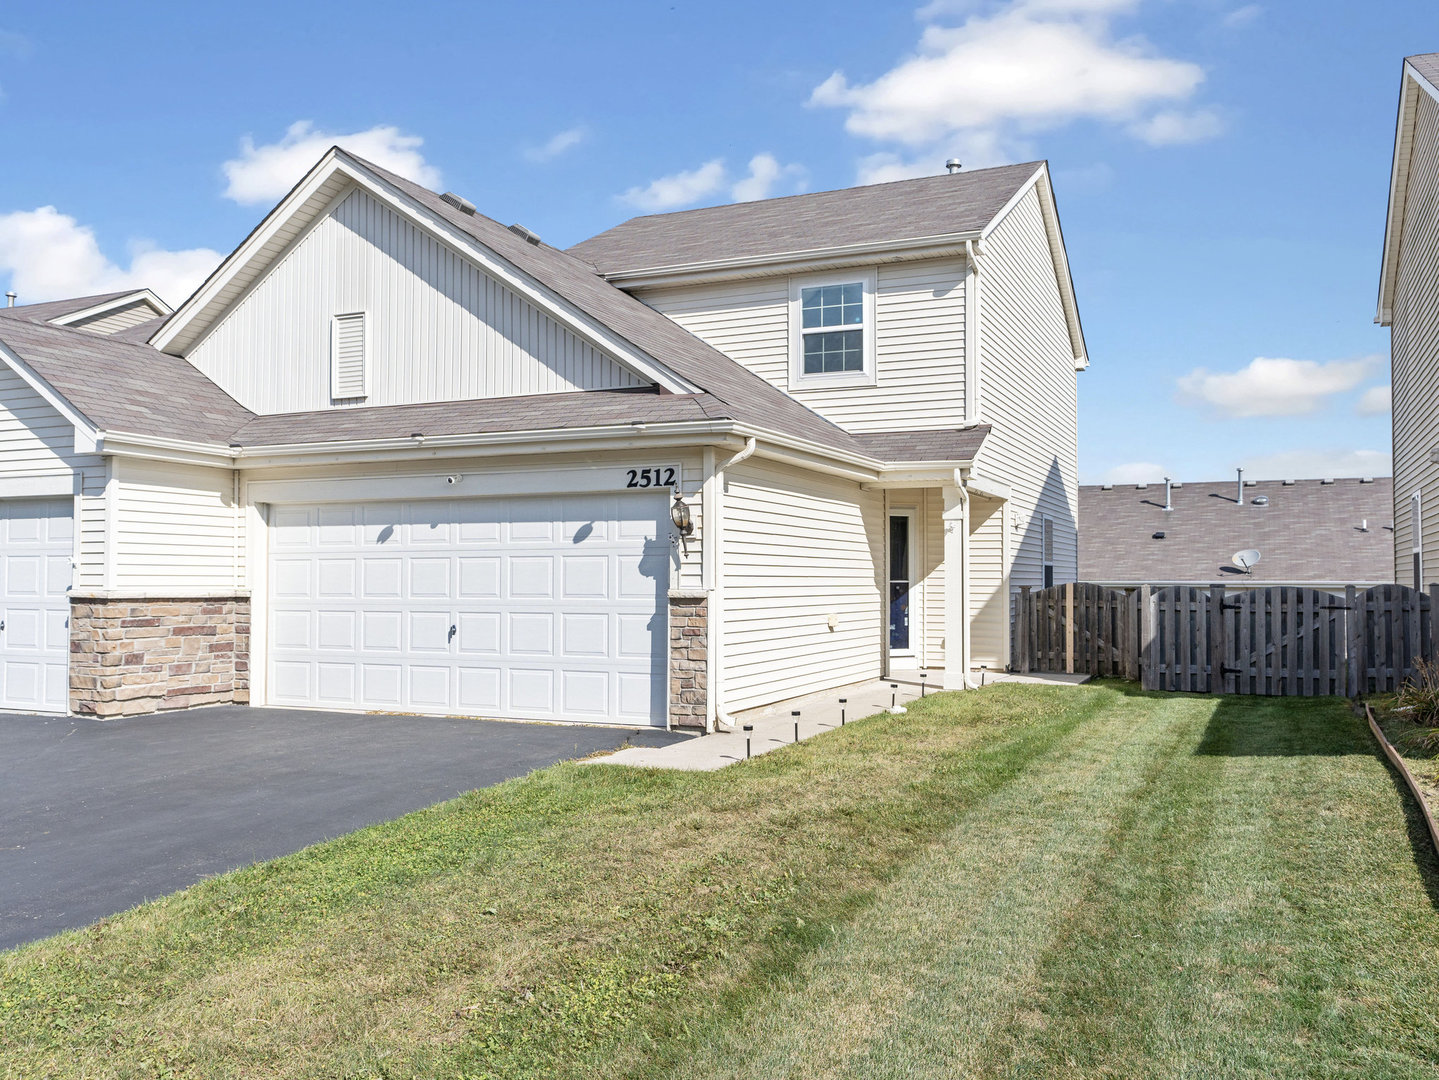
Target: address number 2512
[[656, 477]]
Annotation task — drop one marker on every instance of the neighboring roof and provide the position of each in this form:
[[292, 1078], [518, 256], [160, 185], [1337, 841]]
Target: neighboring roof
[[58, 309], [1309, 532], [122, 386], [141, 332], [901, 210], [1420, 76], [955, 444], [539, 412]]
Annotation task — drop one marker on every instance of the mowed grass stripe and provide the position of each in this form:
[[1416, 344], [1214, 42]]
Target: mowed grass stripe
[[1269, 912], [914, 987]]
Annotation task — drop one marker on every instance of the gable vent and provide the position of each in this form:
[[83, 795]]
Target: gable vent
[[348, 359]]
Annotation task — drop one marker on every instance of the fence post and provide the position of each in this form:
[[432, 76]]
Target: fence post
[[1354, 641], [1147, 673], [1069, 628], [1025, 648], [1426, 626], [1217, 650]]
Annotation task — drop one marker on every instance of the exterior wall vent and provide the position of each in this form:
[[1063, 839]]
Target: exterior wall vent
[[349, 356]]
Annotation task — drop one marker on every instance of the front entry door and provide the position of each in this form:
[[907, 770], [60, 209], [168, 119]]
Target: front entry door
[[901, 532]]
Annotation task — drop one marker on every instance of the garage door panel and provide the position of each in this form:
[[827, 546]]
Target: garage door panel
[[57, 630], [429, 686], [59, 571], [585, 577], [336, 630], [382, 685], [290, 578], [530, 607], [429, 631], [24, 577], [585, 635], [382, 578], [430, 578], [289, 528], [479, 633], [479, 577], [532, 577], [381, 631], [24, 629]]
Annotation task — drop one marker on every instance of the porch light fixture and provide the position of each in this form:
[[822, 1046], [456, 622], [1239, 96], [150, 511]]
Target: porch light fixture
[[680, 515]]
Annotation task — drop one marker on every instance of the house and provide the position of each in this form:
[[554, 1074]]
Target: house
[[1409, 306], [395, 456], [1322, 534]]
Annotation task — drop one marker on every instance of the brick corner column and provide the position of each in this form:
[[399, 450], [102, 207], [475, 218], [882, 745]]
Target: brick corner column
[[132, 655], [689, 657]]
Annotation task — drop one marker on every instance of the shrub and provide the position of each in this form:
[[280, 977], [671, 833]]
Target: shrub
[[1420, 699]]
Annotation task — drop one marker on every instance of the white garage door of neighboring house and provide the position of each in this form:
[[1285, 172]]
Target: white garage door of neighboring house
[[546, 608], [36, 553]]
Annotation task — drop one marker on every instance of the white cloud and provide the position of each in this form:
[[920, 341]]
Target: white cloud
[[678, 189], [1375, 401], [1241, 16], [683, 189], [264, 174], [1270, 386], [1002, 74], [765, 175], [50, 255], [1174, 126], [556, 145], [1134, 472], [1318, 463]]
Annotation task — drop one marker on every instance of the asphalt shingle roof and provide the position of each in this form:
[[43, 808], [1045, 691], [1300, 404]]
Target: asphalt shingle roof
[[877, 213], [1309, 531], [539, 412], [1427, 64], [954, 444], [124, 386], [58, 309]]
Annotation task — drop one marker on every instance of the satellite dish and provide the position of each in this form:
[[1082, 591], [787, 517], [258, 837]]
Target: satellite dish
[[1246, 560]]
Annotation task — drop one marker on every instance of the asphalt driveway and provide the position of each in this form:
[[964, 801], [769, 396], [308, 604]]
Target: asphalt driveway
[[96, 817]]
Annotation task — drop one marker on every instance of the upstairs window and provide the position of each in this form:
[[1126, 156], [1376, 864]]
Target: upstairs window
[[349, 357], [832, 330]]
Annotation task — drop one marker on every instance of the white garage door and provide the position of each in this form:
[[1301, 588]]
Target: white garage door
[[535, 607], [36, 553]]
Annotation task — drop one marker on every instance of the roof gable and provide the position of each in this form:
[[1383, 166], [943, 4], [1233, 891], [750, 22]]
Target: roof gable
[[1420, 76]]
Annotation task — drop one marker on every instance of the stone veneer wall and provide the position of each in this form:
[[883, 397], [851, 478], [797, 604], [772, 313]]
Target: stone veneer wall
[[130, 656], [689, 657]]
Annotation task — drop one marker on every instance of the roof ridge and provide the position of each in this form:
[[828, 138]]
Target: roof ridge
[[833, 191]]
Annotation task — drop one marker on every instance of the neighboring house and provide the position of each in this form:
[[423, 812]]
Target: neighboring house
[[395, 456], [1324, 534], [1409, 306]]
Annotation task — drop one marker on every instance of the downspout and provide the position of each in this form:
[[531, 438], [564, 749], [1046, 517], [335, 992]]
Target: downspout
[[964, 652], [714, 582], [973, 326]]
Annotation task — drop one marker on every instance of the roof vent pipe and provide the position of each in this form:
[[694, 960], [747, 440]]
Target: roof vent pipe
[[1168, 498], [952, 165], [1239, 489], [10, 296]]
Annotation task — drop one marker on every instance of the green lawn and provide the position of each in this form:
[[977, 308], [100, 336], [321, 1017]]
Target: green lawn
[[1021, 882]]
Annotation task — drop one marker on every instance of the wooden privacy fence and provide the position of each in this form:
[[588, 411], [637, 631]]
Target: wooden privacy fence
[[1277, 640]]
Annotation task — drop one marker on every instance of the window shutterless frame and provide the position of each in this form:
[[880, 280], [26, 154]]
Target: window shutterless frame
[[831, 330], [1047, 542], [900, 555]]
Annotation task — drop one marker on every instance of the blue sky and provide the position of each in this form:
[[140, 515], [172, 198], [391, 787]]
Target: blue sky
[[1221, 166]]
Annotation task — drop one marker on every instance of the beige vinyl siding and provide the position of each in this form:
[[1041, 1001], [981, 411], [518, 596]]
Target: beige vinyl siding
[[988, 603], [932, 583], [176, 527], [798, 548], [439, 328], [1029, 394], [35, 440], [919, 342], [90, 574], [1414, 349], [115, 321]]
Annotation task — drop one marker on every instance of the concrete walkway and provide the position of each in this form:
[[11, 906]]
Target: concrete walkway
[[774, 725]]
